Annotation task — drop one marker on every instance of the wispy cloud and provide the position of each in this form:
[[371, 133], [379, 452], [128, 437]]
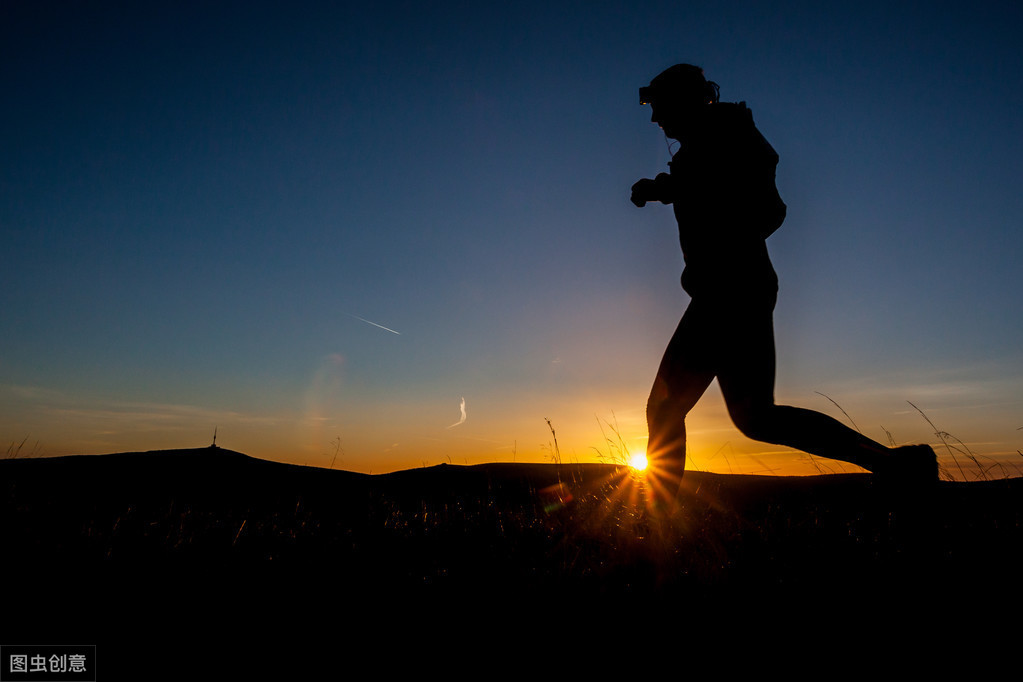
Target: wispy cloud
[[462, 419], [86, 421]]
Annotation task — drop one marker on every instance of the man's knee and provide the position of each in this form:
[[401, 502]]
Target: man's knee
[[666, 409], [658, 394], [754, 422]]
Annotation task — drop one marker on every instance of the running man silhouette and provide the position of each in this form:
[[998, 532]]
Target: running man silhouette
[[722, 187]]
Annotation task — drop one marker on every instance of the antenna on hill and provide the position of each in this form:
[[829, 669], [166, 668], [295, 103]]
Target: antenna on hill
[[214, 444]]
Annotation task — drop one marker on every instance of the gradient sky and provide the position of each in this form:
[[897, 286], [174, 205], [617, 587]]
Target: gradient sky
[[203, 204]]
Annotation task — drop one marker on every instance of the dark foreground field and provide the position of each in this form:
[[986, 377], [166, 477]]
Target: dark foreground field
[[131, 545]]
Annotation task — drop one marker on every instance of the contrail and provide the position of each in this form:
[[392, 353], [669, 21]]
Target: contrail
[[388, 329], [462, 420]]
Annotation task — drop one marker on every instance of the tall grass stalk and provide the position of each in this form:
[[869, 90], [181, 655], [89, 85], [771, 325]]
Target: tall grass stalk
[[554, 450], [954, 445], [337, 449], [617, 451], [843, 411], [14, 449]]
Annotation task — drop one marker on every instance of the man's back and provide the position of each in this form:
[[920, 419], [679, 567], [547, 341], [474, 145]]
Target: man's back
[[726, 202]]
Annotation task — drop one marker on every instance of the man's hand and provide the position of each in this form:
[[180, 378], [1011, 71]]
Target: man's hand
[[651, 190]]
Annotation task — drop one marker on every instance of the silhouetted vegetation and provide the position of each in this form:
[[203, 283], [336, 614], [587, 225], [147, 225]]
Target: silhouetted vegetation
[[146, 552], [583, 526]]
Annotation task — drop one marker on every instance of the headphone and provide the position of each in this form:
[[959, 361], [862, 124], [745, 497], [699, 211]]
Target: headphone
[[711, 93], [680, 82]]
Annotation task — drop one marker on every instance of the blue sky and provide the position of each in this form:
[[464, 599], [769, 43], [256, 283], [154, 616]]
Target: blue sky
[[200, 200]]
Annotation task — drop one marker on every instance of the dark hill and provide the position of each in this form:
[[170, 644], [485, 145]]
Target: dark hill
[[215, 537], [216, 505]]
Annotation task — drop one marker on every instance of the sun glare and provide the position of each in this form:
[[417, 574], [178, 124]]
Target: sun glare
[[638, 461]]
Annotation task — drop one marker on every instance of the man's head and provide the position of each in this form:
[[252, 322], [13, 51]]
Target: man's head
[[676, 94]]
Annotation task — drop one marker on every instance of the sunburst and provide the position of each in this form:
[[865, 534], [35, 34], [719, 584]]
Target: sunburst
[[638, 461]]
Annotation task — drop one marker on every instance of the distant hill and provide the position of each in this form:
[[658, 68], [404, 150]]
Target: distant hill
[[188, 533]]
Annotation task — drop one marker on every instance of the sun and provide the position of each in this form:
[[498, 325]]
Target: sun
[[638, 461]]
